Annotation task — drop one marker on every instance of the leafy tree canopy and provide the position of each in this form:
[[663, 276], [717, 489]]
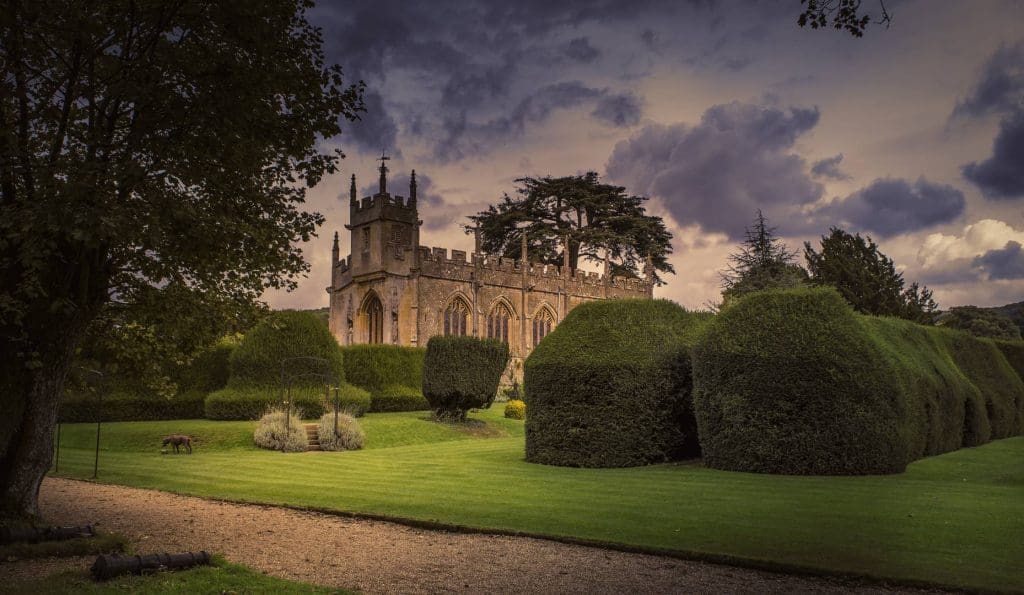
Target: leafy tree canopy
[[145, 144], [581, 213], [867, 278], [842, 15], [763, 262]]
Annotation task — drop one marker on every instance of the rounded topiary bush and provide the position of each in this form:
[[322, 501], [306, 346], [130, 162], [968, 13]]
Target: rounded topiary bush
[[210, 369], [462, 373], [256, 362], [347, 436], [515, 409], [610, 387], [792, 382], [272, 431]]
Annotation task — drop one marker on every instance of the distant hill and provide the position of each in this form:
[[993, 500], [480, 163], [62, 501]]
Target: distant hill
[[1014, 312]]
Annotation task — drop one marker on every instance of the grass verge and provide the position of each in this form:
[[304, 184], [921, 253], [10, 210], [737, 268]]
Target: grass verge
[[220, 577], [955, 520], [101, 543]]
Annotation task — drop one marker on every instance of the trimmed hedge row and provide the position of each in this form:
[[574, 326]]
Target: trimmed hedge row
[[256, 362], [374, 367], [125, 407], [397, 397], [611, 386], [462, 373], [795, 382], [251, 403]]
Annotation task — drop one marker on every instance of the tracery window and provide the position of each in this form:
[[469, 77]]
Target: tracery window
[[456, 318], [542, 324], [375, 322], [498, 322]]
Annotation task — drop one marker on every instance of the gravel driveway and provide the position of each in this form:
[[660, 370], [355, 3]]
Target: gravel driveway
[[381, 557]]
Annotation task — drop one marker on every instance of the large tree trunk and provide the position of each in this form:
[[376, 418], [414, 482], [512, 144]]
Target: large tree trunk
[[29, 451]]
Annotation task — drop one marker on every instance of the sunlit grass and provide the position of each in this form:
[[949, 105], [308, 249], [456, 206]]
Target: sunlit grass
[[956, 519]]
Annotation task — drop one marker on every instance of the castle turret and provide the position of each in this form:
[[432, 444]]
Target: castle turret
[[335, 252], [412, 189], [382, 230]]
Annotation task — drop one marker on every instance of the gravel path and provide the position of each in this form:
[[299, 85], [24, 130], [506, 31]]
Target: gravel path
[[381, 557]]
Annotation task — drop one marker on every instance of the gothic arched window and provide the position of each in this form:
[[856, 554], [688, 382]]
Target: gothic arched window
[[375, 320], [498, 322], [456, 318], [542, 324]]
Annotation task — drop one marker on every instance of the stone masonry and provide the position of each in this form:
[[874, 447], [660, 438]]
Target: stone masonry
[[389, 289]]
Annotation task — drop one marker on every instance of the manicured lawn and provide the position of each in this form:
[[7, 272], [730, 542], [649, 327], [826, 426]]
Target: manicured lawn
[[956, 519]]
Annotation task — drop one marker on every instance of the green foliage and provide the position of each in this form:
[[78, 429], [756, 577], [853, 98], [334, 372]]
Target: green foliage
[[121, 406], [398, 397], [280, 430], [462, 373], [158, 146], [250, 403], [352, 399], [348, 435], [592, 217], [257, 362], [211, 368], [373, 367], [515, 409], [866, 278], [791, 382], [795, 382], [610, 387], [981, 322], [763, 262]]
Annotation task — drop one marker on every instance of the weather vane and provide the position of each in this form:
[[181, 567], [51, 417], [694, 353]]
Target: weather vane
[[383, 171]]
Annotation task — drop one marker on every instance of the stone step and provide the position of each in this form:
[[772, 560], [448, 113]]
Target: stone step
[[313, 436]]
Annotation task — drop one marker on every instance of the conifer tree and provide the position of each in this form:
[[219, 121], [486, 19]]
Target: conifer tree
[[763, 262]]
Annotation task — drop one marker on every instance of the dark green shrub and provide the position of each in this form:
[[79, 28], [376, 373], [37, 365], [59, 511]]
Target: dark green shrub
[[1001, 388], [462, 373], [251, 403], [353, 400], [792, 382], [932, 389], [373, 367], [127, 407], [1013, 351], [610, 387], [397, 397], [256, 362], [210, 369]]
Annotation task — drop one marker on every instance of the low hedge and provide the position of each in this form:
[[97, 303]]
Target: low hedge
[[252, 403], [353, 399], [462, 373], [611, 386], [397, 397], [795, 382], [256, 362], [374, 367], [127, 407]]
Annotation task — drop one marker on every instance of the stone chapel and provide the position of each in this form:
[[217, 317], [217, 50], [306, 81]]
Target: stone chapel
[[389, 289]]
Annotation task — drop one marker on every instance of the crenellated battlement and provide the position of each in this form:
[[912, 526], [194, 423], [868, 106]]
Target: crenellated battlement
[[382, 200], [436, 260]]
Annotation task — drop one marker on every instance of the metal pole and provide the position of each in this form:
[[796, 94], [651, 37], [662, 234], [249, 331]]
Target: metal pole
[[99, 420], [337, 404], [288, 417]]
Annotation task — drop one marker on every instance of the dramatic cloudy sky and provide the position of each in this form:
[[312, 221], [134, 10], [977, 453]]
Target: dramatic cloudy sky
[[913, 134]]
